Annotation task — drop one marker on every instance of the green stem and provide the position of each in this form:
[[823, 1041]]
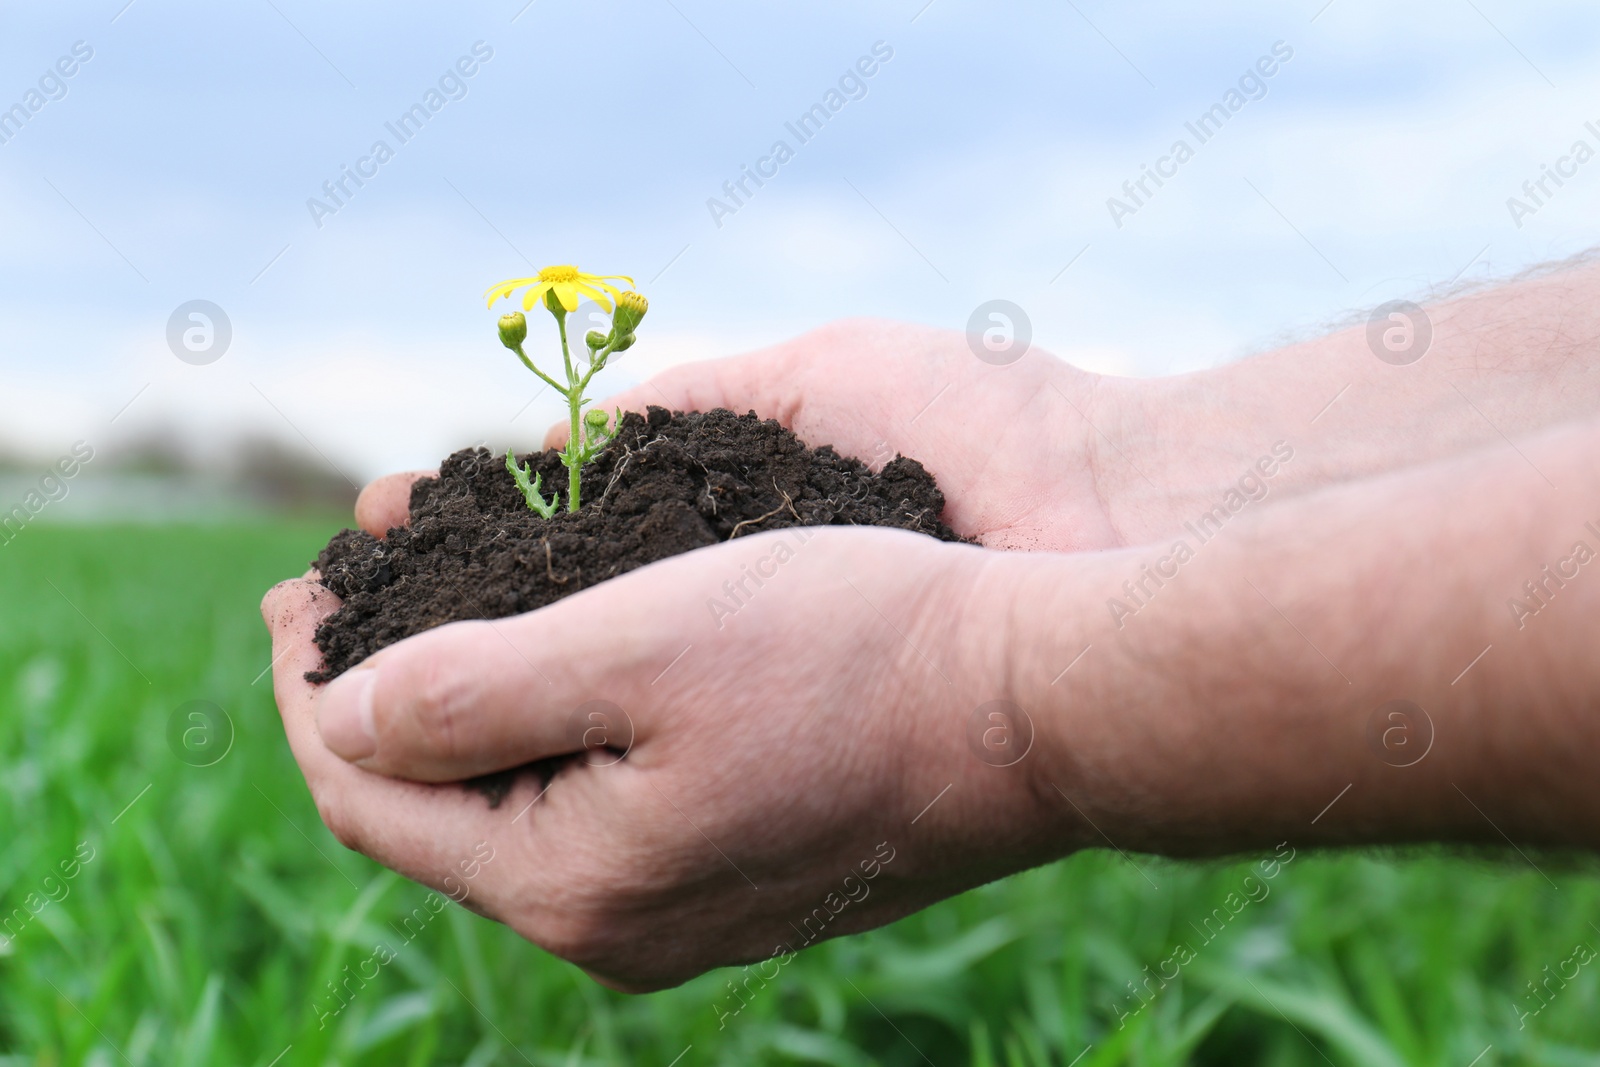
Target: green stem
[[574, 395], [566, 356], [597, 360], [526, 362]]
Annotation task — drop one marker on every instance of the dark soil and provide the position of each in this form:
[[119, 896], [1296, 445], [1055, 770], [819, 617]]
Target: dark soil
[[671, 482]]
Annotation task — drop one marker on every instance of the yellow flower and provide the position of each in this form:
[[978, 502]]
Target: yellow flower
[[568, 283]]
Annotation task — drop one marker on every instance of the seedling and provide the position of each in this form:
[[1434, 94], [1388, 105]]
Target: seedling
[[560, 289]]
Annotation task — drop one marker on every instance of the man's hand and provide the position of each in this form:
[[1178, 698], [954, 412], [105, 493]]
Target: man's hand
[[842, 713], [796, 769], [1040, 455], [776, 748], [1011, 446]]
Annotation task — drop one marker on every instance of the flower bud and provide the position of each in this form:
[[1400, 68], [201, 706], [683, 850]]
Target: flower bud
[[596, 421], [595, 339], [513, 330], [624, 344], [631, 307]]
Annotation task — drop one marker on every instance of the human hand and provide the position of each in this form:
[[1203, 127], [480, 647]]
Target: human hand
[[1038, 454], [1011, 446], [813, 744]]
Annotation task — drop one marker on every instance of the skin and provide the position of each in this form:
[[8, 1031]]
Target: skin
[[830, 722]]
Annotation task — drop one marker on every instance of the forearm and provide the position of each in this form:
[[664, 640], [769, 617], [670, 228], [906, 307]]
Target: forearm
[[1232, 704], [1501, 363]]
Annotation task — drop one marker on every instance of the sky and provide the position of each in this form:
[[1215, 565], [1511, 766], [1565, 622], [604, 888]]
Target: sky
[[185, 159]]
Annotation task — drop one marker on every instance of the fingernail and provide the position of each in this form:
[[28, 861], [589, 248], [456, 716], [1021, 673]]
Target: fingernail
[[344, 716]]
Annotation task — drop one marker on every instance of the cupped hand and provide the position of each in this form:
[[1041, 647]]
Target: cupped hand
[[797, 758], [1025, 452], [1012, 446], [787, 733]]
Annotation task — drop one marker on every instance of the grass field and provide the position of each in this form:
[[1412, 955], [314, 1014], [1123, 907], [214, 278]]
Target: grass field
[[207, 908]]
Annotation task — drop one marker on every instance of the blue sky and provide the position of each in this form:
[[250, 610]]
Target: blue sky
[[978, 163]]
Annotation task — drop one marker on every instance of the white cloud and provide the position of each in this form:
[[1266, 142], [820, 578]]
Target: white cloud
[[987, 149]]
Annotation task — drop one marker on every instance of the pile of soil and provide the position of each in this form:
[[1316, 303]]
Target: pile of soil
[[668, 483]]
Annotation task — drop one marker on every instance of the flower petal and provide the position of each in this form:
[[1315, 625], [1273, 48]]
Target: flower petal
[[607, 286], [567, 293], [533, 295], [504, 289], [595, 295]]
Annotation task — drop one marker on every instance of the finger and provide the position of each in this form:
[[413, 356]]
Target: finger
[[759, 382], [475, 697], [470, 698], [386, 503], [431, 834], [447, 704]]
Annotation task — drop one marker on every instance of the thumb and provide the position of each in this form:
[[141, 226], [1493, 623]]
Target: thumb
[[759, 382], [469, 698]]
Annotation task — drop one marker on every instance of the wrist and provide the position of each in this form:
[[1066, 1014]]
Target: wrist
[[1165, 734], [1243, 702], [1196, 724], [1186, 445], [1484, 368], [1051, 637]]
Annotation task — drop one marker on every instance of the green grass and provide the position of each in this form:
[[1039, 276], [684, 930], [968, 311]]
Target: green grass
[[216, 906]]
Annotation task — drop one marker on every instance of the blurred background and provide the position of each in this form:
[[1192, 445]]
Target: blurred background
[[194, 288], [977, 164]]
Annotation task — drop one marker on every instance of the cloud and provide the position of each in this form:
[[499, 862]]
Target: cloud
[[977, 167]]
